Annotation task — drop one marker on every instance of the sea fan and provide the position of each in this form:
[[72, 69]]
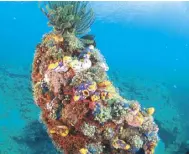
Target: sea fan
[[69, 17]]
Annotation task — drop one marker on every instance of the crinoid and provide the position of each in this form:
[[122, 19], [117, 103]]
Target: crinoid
[[69, 17]]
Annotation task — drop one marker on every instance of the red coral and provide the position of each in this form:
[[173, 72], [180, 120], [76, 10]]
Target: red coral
[[74, 112], [36, 77], [71, 143], [69, 74]]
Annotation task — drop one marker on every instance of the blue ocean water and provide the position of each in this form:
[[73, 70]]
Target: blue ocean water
[[146, 45]]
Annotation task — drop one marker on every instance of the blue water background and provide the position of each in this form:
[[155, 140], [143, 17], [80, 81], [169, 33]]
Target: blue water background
[[146, 45]]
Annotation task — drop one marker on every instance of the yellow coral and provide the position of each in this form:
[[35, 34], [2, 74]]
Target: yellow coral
[[103, 95], [52, 131], [83, 151], [111, 89], [76, 97], [85, 93], [53, 65], [127, 147], [57, 38], [95, 98], [110, 95], [140, 118], [150, 111], [118, 144], [152, 151], [67, 59], [60, 130], [63, 131], [92, 87], [104, 83]]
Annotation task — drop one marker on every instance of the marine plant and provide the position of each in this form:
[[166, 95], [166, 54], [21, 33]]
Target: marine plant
[[81, 108]]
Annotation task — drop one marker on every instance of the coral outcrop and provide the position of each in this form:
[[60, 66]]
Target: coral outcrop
[[82, 110]]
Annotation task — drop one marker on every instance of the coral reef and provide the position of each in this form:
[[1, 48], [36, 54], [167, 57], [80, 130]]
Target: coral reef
[[82, 110]]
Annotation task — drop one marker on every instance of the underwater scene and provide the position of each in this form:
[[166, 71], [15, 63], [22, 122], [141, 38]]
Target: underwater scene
[[94, 77]]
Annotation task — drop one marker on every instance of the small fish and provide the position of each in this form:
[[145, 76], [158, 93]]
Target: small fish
[[174, 86], [90, 38]]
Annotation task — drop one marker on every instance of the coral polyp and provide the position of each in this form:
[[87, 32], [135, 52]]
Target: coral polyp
[[82, 110]]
